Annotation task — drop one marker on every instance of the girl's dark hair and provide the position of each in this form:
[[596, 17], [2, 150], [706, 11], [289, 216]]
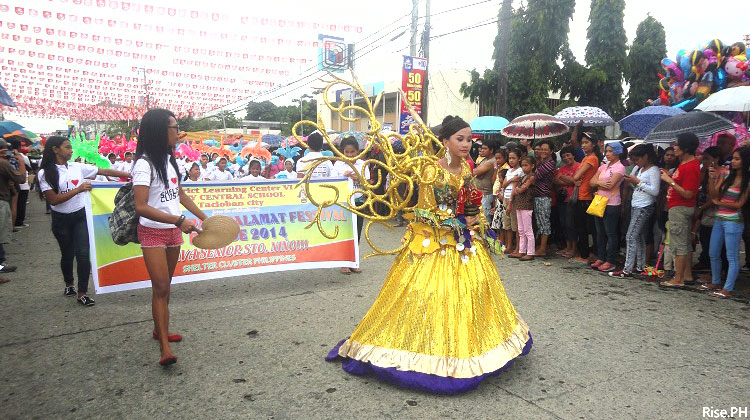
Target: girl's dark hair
[[663, 162], [644, 150], [450, 126], [744, 152], [713, 151], [595, 146], [49, 163], [491, 144], [519, 153], [249, 164], [153, 141], [349, 141], [530, 160], [503, 151], [567, 149]]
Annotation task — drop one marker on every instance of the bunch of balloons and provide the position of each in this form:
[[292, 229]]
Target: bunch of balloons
[[696, 74], [88, 150]]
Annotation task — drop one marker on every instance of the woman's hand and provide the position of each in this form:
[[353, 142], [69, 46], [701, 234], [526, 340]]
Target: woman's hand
[[188, 226], [713, 174], [85, 186], [665, 176]]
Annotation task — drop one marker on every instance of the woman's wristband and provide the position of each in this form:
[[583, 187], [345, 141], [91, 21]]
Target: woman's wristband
[[179, 221]]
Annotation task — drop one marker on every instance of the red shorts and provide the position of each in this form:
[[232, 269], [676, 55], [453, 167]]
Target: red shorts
[[159, 238]]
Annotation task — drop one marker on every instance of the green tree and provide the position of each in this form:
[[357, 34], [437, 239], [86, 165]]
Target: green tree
[[481, 90], [607, 51], [115, 128], [649, 47], [262, 111], [539, 34]]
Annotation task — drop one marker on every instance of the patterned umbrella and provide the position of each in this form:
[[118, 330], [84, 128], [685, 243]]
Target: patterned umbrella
[[590, 115], [700, 123], [534, 126], [488, 125], [358, 135], [272, 139], [640, 123], [740, 133]]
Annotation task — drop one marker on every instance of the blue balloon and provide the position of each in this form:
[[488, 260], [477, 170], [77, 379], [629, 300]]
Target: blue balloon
[[720, 81]]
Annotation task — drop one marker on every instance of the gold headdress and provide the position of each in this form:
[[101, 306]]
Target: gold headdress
[[407, 169]]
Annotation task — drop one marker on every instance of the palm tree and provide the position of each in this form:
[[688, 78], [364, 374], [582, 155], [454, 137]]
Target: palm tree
[[481, 90]]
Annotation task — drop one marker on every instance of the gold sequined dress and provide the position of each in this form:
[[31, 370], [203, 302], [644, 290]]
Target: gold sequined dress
[[442, 322]]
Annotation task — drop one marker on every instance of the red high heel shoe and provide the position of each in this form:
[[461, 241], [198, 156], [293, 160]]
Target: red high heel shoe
[[172, 338]]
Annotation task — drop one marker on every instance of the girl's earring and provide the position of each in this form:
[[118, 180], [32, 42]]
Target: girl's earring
[[447, 156]]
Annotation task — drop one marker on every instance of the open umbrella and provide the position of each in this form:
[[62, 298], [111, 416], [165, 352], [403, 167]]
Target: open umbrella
[[700, 123], [488, 125], [732, 99], [640, 123], [9, 127], [358, 135], [590, 115], [534, 126], [5, 99], [272, 139], [740, 134], [29, 134]]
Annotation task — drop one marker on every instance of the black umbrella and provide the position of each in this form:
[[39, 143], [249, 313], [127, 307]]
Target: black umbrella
[[700, 123]]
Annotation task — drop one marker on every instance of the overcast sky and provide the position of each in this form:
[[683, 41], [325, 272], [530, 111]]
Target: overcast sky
[[689, 25]]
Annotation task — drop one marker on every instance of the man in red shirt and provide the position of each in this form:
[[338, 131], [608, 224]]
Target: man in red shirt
[[681, 196]]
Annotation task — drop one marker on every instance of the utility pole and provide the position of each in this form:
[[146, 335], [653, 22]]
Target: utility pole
[[426, 51], [501, 59], [414, 19], [145, 86]]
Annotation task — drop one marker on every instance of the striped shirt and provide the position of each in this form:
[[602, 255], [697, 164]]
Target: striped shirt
[[725, 213]]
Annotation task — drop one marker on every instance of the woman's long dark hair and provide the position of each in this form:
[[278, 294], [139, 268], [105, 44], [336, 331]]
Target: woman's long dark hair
[[153, 141], [49, 163], [744, 152]]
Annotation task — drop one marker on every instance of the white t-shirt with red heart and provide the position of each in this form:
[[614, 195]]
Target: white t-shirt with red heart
[[160, 197], [71, 176]]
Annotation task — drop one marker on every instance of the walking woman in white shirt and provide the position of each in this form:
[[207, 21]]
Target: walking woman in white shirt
[[64, 186], [158, 196]]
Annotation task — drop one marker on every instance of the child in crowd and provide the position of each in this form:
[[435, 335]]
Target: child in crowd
[[729, 194], [523, 204], [288, 172], [193, 174], [350, 148], [254, 168], [322, 170], [501, 168], [221, 173], [510, 220], [564, 180], [127, 164], [64, 186], [205, 168], [645, 181]]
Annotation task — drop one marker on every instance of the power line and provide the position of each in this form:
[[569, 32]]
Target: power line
[[314, 67]]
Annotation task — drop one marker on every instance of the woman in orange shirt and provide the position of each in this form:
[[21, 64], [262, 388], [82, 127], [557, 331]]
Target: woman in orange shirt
[[585, 222]]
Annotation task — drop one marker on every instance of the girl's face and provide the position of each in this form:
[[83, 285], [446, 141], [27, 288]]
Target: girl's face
[[640, 161], [670, 157], [288, 165], [214, 156], [204, 160], [610, 154], [350, 151], [587, 145], [526, 166], [194, 172], [459, 144], [64, 151], [222, 164], [484, 151], [255, 169], [172, 132], [736, 161], [500, 159], [708, 161], [513, 160]]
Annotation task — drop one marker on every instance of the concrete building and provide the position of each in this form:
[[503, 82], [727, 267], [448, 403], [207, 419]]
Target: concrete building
[[443, 99]]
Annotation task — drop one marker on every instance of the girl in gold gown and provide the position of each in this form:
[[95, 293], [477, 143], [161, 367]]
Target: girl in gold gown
[[442, 322]]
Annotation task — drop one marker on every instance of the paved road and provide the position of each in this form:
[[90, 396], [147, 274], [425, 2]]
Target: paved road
[[254, 348]]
